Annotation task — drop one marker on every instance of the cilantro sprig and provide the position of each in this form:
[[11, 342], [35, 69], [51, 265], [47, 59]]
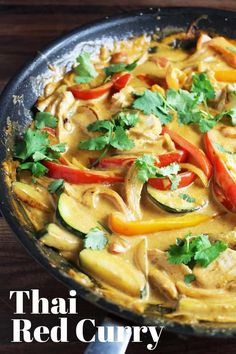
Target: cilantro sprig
[[56, 186], [147, 169], [190, 107], [117, 68], [45, 119], [95, 239], [85, 70], [195, 249], [112, 132], [153, 103], [34, 148], [187, 197]]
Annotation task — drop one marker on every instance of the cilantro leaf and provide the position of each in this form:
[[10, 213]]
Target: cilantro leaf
[[175, 180], [202, 87], [100, 126], [37, 168], [120, 139], [195, 250], [61, 147], [231, 114], [56, 186], [34, 140], [95, 239], [153, 103], [97, 143], [116, 68], [45, 119], [129, 118], [187, 197], [205, 256], [189, 278], [85, 70], [114, 133], [34, 148], [147, 169]]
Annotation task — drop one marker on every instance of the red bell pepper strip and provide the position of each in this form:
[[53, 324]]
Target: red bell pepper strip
[[117, 82], [76, 176], [220, 197], [90, 93], [120, 81], [162, 160], [164, 184], [197, 154], [223, 177], [147, 79]]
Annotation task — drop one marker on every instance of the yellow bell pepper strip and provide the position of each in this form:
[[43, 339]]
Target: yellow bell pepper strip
[[226, 75], [133, 228]]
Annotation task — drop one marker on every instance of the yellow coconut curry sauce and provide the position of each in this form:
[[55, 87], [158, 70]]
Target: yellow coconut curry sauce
[[129, 172]]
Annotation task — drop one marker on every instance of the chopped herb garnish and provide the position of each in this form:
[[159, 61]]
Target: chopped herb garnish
[[95, 239], [56, 186], [195, 249], [45, 119], [85, 69], [202, 87], [113, 132], [147, 169], [36, 147], [143, 292], [116, 68], [189, 278], [187, 197], [153, 103]]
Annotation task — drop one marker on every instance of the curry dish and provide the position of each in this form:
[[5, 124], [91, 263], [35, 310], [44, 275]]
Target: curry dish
[[128, 170]]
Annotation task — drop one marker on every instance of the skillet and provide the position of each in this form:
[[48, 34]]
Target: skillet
[[16, 104]]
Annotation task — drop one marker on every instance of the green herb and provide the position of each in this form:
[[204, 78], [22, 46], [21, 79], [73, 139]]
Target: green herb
[[231, 49], [153, 103], [116, 68], [202, 87], [147, 169], [37, 168], [85, 70], [34, 148], [45, 119], [56, 186], [189, 278], [195, 249], [187, 197], [175, 181], [95, 239], [113, 133]]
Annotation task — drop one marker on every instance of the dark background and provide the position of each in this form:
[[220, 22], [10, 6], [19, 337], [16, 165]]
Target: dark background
[[25, 27]]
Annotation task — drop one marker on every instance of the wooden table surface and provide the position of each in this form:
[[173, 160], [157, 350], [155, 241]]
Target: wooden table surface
[[25, 27]]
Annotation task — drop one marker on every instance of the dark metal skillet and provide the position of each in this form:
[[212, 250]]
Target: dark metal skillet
[[20, 95]]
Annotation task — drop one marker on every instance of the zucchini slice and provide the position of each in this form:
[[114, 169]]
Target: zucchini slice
[[74, 216], [174, 201], [61, 239]]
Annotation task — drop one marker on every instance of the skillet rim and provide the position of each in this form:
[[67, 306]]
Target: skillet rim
[[30, 244]]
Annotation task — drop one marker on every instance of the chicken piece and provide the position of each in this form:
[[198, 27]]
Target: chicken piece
[[165, 275], [148, 128], [123, 98], [220, 274]]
